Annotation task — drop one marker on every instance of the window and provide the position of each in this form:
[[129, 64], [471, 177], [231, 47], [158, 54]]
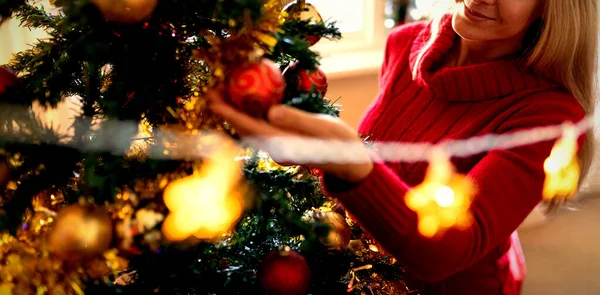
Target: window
[[364, 25], [360, 21], [15, 38]]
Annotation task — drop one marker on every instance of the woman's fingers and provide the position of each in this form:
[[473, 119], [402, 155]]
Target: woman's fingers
[[295, 137], [214, 97], [244, 124]]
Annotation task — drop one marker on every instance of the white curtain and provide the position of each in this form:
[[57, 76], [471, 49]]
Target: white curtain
[[14, 39]]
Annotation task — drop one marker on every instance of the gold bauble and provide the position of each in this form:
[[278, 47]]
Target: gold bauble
[[306, 12], [339, 234], [80, 233], [98, 269], [126, 11]]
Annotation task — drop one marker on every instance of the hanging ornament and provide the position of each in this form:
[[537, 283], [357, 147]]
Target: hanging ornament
[[8, 78], [299, 79], [316, 172], [126, 11], [443, 199], [561, 167], [302, 11], [98, 269], [339, 234], [284, 272], [4, 172], [255, 87], [79, 233]]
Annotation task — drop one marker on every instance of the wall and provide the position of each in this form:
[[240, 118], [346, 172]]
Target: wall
[[355, 93]]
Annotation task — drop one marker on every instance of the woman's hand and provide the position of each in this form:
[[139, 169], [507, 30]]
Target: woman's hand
[[287, 132]]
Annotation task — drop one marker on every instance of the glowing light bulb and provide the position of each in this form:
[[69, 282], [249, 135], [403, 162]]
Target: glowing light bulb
[[561, 167], [207, 203], [444, 196], [443, 199]]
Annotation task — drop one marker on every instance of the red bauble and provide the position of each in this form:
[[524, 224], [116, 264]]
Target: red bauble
[[284, 272], [4, 172], [316, 172], [302, 80], [312, 39], [255, 87], [8, 78]]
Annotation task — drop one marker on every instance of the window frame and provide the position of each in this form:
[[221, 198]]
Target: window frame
[[360, 53], [371, 37]]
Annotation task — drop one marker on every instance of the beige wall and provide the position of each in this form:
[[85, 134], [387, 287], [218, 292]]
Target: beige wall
[[355, 93], [14, 39]]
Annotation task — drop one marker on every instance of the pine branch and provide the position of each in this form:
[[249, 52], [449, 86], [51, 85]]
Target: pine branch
[[307, 28], [34, 17], [47, 70], [291, 43], [313, 102]]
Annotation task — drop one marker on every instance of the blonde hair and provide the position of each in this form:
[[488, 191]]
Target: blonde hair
[[566, 50], [564, 47]]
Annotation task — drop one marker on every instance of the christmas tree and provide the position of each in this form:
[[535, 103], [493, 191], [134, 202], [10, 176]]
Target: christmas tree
[[150, 192]]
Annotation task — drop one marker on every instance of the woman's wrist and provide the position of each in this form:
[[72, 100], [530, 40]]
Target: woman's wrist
[[355, 173]]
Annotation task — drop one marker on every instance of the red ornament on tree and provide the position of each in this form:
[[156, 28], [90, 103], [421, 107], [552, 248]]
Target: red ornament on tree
[[4, 172], [303, 80], [8, 78], [316, 172], [255, 87], [284, 272]]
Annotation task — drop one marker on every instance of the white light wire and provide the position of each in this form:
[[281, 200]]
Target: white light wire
[[313, 150], [116, 137]]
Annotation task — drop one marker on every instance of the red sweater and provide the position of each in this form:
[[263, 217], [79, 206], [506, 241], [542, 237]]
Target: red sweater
[[456, 103]]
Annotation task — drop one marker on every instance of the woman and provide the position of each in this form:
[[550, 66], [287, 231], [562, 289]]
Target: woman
[[489, 66]]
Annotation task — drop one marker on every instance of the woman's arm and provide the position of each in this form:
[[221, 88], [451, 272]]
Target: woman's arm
[[509, 186]]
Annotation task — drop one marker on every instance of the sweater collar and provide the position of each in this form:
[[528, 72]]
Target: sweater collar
[[466, 83]]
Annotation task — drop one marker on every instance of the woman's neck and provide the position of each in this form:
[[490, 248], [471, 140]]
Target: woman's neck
[[468, 52]]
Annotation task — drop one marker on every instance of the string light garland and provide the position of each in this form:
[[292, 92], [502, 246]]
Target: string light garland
[[441, 201], [315, 150]]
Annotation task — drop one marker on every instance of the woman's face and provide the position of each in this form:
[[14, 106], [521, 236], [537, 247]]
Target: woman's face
[[487, 20]]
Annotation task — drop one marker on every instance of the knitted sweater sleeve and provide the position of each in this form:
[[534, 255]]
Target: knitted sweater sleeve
[[509, 186]]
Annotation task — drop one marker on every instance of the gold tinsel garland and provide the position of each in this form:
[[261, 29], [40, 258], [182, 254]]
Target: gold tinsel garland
[[28, 267]]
